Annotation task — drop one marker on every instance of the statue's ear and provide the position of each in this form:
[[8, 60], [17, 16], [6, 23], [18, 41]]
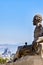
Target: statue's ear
[[40, 25]]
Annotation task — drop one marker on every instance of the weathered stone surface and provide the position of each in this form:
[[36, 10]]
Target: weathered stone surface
[[38, 31], [28, 60]]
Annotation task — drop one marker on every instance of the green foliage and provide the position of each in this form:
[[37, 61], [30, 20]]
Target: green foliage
[[2, 61]]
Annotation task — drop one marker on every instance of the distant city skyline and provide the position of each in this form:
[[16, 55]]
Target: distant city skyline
[[16, 20]]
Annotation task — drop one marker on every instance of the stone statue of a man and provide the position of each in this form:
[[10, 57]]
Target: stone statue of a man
[[38, 29], [38, 32]]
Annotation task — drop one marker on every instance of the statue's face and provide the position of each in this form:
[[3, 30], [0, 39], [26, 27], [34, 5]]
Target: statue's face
[[37, 19], [34, 22]]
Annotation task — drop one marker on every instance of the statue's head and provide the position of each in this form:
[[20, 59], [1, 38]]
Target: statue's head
[[37, 19]]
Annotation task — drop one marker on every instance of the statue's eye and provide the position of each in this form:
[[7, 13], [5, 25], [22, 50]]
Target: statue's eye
[[39, 18]]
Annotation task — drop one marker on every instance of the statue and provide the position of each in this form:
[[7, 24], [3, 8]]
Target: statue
[[36, 48], [38, 34]]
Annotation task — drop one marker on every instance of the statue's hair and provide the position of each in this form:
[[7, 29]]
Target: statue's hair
[[37, 18]]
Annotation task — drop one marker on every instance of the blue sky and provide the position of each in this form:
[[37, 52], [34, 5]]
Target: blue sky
[[16, 20]]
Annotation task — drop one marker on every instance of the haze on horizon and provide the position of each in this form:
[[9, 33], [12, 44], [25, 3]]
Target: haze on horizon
[[16, 20]]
